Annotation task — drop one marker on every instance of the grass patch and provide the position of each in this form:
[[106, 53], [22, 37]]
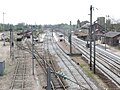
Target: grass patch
[[82, 65], [87, 71], [85, 68]]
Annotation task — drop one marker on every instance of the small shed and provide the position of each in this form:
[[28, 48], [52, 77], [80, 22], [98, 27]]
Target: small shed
[[2, 66], [112, 38]]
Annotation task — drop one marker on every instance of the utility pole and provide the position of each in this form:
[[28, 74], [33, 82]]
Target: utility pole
[[94, 48], [32, 54], [52, 32], [64, 35], [106, 30], [105, 34], [88, 38], [70, 39], [91, 37], [3, 30], [48, 79], [10, 41]]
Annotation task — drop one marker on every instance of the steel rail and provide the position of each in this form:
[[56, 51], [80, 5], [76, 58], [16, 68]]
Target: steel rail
[[58, 48]]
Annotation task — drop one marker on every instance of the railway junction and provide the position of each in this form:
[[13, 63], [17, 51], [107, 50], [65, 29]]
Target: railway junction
[[48, 63]]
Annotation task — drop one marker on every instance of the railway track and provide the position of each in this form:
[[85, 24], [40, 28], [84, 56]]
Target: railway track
[[19, 79], [111, 62], [58, 82], [104, 63], [47, 61], [81, 80]]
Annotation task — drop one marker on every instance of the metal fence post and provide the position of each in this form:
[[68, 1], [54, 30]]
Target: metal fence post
[[49, 79]]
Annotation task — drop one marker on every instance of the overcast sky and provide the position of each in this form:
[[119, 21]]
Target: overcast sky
[[55, 11]]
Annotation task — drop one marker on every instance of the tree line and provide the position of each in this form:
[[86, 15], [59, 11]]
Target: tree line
[[19, 26]]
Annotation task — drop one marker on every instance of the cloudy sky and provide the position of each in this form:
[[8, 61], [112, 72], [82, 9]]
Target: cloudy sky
[[55, 11]]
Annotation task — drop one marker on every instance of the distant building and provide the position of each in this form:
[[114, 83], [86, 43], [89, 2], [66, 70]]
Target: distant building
[[101, 21], [78, 23], [108, 24], [85, 28], [99, 30], [84, 22], [112, 38]]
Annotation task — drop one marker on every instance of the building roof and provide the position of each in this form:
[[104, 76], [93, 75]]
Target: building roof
[[112, 34], [118, 38], [87, 25]]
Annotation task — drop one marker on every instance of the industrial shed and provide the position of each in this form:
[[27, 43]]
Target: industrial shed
[[112, 38]]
